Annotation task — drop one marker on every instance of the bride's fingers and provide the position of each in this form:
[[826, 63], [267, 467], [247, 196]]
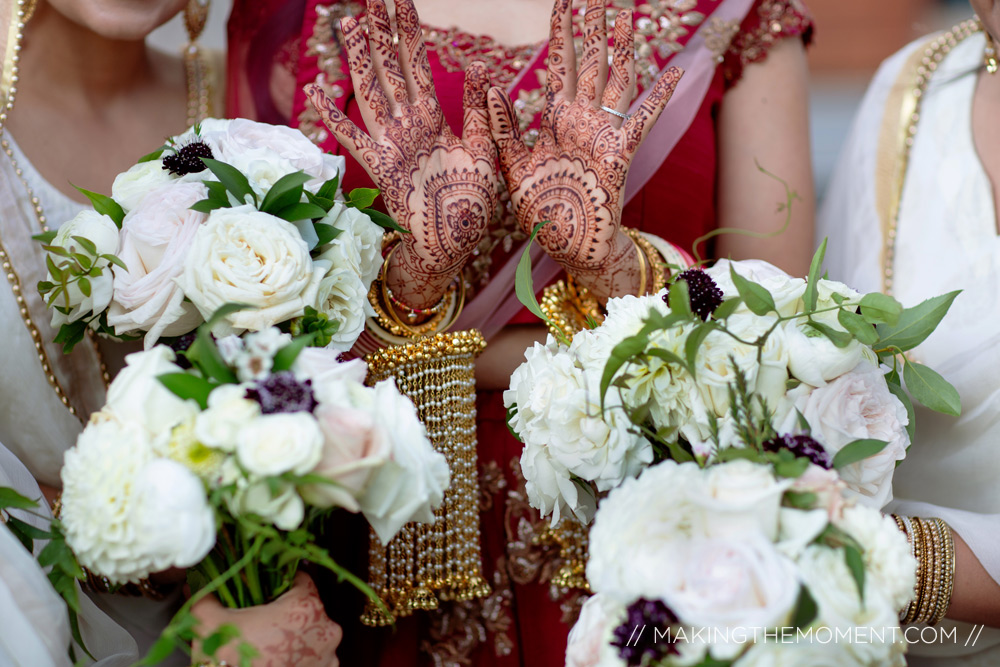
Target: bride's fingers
[[413, 52], [360, 145], [372, 101], [593, 73], [384, 56], [621, 79], [476, 128], [638, 126], [562, 54], [513, 153]]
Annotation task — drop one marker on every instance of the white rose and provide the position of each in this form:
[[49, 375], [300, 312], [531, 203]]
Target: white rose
[[127, 514], [352, 450], [411, 484], [813, 358], [102, 232], [131, 187], [552, 491], [136, 394], [284, 508], [835, 591], [155, 239], [228, 412], [243, 138], [718, 354], [637, 538], [277, 443], [739, 498], [360, 241], [729, 585], [887, 557], [786, 291], [857, 405], [244, 256], [343, 297], [589, 643]]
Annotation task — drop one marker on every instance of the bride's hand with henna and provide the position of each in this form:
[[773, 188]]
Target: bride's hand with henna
[[292, 631], [440, 188], [574, 178]]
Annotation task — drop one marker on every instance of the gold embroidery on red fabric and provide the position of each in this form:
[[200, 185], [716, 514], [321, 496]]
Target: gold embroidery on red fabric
[[457, 49], [719, 35], [778, 19]]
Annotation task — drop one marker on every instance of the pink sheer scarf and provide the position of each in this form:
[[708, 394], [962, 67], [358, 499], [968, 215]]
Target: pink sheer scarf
[[496, 304]]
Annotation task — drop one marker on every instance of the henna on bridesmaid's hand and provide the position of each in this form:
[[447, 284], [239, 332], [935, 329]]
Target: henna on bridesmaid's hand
[[575, 175], [440, 188]]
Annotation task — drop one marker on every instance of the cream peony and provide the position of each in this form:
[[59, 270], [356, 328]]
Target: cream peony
[[411, 484], [102, 232], [857, 405], [359, 244], [284, 508], [344, 298], [244, 256], [137, 395], [128, 514], [888, 562], [278, 443], [228, 412], [813, 358], [132, 186], [155, 239]]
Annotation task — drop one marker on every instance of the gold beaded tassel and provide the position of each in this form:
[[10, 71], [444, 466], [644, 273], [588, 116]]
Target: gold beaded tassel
[[426, 564]]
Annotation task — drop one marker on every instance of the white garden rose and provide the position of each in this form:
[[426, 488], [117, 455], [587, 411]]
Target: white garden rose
[[835, 591], [343, 297], [858, 405], [887, 558], [359, 243], [730, 585], [552, 490], [126, 513], [246, 140], [786, 291], [284, 508], [132, 186], [637, 538], [411, 484], [589, 643], [244, 256], [278, 443], [718, 354], [137, 395], [102, 232], [329, 377], [155, 239], [229, 410], [738, 498], [813, 358]]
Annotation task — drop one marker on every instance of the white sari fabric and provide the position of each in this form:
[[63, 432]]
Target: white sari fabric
[[947, 240], [34, 625]]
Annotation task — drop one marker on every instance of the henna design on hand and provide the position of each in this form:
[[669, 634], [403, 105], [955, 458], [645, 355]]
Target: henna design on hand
[[575, 175], [440, 188]]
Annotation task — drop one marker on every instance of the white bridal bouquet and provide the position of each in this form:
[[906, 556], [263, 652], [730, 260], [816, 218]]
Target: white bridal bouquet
[[740, 354], [741, 428], [734, 564], [229, 211], [224, 458]]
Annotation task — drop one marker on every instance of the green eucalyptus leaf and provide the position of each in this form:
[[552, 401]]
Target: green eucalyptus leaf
[[46, 237], [155, 155], [756, 297], [878, 308], [856, 564], [858, 450], [857, 325], [11, 499], [300, 212], [694, 341], [286, 356], [727, 308], [904, 398], [811, 293], [329, 189], [207, 205], [231, 177], [187, 386], [325, 233], [115, 260], [362, 197], [86, 244], [383, 220], [931, 390], [620, 355], [105, 205], [838, 338], [285, 192], [523, 285], [916, 324], [806, 609]]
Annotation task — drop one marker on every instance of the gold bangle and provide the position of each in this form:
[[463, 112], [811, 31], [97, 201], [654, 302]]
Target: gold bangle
[[947, 571], [653, 259], [918, 552], [411, 313], [641, 256]]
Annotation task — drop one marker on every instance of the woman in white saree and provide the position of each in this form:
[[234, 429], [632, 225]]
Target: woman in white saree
[[911, 211]]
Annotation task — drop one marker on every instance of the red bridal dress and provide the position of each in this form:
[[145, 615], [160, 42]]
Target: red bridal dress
[[278, 46]]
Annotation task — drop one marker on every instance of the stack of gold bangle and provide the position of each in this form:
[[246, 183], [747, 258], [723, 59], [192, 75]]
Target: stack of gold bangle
[[933, 546]]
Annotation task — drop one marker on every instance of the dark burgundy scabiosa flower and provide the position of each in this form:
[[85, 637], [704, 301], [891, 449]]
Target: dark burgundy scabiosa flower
[[801, 445], [181, 344], [187, 159], [705, 295], [281, 392], [644, 634]]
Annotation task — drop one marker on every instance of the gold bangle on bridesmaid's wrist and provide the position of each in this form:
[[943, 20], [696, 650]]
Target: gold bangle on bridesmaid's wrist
[[933, 547], [649, 257]]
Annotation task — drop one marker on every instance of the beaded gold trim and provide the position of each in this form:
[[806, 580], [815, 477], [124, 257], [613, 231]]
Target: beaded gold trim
[[933, 547], [569, 308], [428, 563]]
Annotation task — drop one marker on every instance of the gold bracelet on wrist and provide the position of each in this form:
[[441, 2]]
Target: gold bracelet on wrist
[[933, 546], [652, 258]]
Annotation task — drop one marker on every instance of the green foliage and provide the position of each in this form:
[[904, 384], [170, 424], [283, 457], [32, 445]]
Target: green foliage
[[858, 450], [931, 390], [316, 324], [523, 286], [914, 324], [105, 205]]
